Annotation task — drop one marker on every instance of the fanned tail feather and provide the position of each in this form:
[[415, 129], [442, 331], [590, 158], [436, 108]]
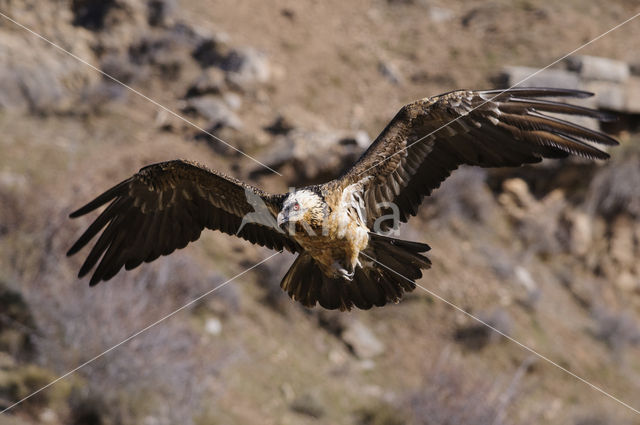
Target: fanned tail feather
[[388, 269]]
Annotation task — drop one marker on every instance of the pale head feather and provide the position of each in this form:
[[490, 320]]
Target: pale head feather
[[312, 207]]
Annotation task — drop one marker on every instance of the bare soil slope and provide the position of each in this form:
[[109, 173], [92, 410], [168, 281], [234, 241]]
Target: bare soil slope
[[554, 268]]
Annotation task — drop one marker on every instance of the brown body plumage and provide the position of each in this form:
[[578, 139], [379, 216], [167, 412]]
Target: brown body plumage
[[341, 263]]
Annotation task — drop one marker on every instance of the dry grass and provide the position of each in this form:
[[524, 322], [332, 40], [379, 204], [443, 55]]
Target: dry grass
[[178, 372], [169, 360], [451, 395]]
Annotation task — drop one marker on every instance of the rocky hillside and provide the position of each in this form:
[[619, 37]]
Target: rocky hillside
[[548, 255]]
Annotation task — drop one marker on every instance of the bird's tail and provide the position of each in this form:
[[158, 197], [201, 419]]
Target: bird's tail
[[388, 268]]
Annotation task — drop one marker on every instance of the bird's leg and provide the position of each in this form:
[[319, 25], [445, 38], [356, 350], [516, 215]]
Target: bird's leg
[[340, 271], [348, 275]]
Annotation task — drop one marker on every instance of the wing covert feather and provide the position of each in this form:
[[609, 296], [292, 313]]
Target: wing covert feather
[[429, 138], [165, 206]]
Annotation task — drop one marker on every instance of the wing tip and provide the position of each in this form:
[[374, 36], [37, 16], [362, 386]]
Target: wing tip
[[73, 250], [102, 199], [75, 214], [580, 147], [609, 141], [602, 155], [85, 209]]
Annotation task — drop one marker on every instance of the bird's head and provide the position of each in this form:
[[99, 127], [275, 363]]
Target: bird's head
[[301, 209]]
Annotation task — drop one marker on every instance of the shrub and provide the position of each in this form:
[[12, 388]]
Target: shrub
[[16, 323], [381, 413], [465, 194], [618, 329], [449, 396], [615, 189], [309, 405], [476, 335], [167, 362]]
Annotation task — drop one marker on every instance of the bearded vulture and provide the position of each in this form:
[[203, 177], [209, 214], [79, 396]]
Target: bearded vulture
[[342, 263]]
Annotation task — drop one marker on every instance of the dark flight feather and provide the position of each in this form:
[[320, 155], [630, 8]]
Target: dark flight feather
[[430, 138], [164, 207]]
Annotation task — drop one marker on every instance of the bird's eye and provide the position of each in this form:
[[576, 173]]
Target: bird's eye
[[296, 206]]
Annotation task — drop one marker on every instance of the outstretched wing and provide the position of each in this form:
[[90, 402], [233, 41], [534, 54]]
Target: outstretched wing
[[165, 206], [430, 138]]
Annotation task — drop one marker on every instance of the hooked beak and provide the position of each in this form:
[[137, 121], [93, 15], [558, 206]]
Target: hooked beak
[[283, 221]]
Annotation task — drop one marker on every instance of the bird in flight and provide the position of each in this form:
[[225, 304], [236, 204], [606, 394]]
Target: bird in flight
[[338, 228]]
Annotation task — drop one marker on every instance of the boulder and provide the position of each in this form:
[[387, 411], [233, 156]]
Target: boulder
[[160, 12], [598, 68], [627, 282], [243, 67], [280, 126], [362, 341], [215, 110], [516, 197], [92, 14], [632, 92], [622, 244], [615, 83], [614, 190], [512, 75], [246, 67], [581, 234], [40, 79], [477, 335], [213, 326], [308, 404], [211, 81], [211, 51], [608, 95], [308, 157], [390, 71], [440, 14]]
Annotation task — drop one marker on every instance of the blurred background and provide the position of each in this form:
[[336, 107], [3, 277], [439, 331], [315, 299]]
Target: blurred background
[[546, 254]]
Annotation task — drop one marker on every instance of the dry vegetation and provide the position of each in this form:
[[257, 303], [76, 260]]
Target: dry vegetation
[[551, 262]]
